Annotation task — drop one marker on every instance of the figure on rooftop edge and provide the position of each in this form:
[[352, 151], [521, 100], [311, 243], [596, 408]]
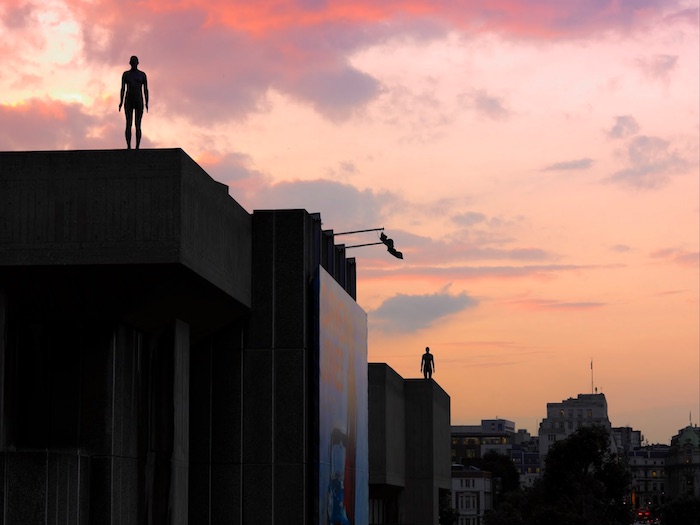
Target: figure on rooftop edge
[[427, 364], [136, 85]]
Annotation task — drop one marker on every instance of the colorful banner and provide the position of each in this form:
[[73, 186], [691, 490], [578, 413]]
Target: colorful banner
[[343, 413]]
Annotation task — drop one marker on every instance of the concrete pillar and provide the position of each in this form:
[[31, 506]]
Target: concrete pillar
[[167, 421], [179, 493], [3, 346], [215, 446]]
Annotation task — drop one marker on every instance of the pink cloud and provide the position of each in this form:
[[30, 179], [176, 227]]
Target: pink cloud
[[526, 18], [677, 256], [51, 124], [217, 60], [650, 163], [441, 274]]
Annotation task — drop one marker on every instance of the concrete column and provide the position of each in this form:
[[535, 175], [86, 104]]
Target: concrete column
[[166, 422], [179, 488], [215, 446], [3, 348]]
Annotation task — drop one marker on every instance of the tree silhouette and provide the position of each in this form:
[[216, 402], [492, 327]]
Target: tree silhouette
[[683, 510], [583, 484]]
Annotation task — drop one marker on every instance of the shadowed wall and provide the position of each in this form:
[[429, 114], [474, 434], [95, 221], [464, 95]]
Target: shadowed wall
[[156, 344]]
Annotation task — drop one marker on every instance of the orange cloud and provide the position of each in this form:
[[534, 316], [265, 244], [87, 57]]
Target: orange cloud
[[680, 257], [517, 17], [45, 109], [50, 124], [554, 305]]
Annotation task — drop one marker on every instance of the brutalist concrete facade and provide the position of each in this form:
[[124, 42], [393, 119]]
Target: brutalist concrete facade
[[409, 447], [156, 345]]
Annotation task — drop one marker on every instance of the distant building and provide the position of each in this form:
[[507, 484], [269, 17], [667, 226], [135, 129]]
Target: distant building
[[409, 456], [473, 441], [472, 494], [648, 488], [565, 418], [626, 439], [526, 458], [683, 463]]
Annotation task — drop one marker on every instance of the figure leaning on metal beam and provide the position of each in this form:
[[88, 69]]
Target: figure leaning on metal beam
[[135, 83]]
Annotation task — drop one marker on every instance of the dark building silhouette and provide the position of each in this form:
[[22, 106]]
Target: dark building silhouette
[[409, 447], [158, 345], [648, 488], [683, 463]]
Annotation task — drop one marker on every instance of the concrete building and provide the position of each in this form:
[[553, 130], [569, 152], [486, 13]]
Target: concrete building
[[470, 442], [526, 458], [472, 494], [162, 350], [683, 463], [409, 448], [648, 487], [473, 441], [627, 439], [565, 418]]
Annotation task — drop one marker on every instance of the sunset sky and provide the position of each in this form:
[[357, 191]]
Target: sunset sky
[[535, 161]]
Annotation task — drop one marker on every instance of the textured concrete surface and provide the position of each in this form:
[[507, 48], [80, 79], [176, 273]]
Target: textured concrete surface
[[122, 207], [409, 437], [157, 345]]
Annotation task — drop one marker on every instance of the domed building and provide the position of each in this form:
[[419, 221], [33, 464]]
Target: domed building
[[683, 463]]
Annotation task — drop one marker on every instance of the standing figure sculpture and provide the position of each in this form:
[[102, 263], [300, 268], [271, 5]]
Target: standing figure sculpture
[[427, 364], [136, 85]]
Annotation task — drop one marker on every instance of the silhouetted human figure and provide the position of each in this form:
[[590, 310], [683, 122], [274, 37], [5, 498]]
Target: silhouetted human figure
[[427, 364], [135, 82]]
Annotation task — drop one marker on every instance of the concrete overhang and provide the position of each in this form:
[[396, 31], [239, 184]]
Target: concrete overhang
[[133, 216]]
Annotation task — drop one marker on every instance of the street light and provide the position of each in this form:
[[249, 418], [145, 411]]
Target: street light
[[383, 239]]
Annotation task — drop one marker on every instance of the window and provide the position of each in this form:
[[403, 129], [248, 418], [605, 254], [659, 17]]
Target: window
[[551, 438], [589, 413]]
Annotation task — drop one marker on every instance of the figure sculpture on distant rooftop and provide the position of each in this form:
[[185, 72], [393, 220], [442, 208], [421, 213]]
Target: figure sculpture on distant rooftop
[[427, 364], [136, 85]]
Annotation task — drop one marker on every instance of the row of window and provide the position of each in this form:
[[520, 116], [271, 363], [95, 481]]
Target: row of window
[[579, 413], [644, 487], [488, 440], [466, 501], [469, 453], [644, 474]]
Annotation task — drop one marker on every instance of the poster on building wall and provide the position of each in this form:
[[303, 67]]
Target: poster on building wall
[[343, 411]]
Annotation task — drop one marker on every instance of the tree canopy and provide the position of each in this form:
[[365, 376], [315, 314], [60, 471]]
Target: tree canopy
[[583, 484]]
